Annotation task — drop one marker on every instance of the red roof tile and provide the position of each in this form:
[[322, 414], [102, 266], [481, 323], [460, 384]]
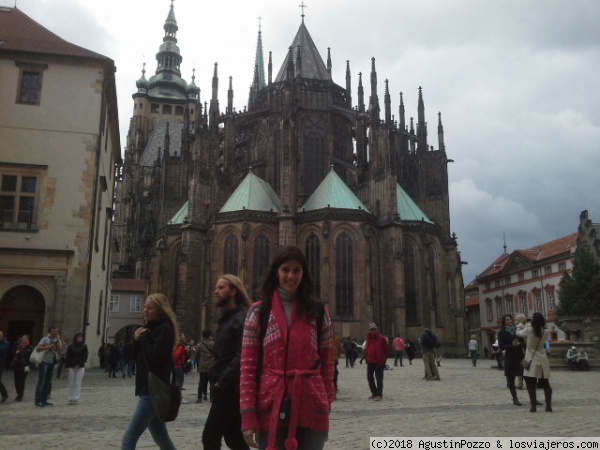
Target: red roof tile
[[19, 32], [128, 284], [474, 301]]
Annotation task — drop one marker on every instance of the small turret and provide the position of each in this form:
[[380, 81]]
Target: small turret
[[348, 86], [441, 144], [361, 94], [329, 62], [387, 104]]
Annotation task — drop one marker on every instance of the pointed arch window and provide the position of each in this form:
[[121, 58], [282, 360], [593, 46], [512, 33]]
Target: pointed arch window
[[344, 276], [262, 248], [432, 273], [231, 255], [412, 307], [313, 257]]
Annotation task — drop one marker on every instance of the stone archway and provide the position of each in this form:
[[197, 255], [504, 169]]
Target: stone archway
[[22, 311]]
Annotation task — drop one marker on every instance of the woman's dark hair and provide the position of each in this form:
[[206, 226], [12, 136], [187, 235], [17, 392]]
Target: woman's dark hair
[[78, 335], [504, 320], [306, 306], [538, 323], [206, 333]]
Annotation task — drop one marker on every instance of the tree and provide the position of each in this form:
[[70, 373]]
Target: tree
[[580, 290]]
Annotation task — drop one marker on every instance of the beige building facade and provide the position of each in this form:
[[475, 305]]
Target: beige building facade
[[59, 144]]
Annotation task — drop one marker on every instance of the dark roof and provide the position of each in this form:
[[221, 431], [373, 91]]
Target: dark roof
[[156, 142], [312, 65], [128, 284], [20, 33]]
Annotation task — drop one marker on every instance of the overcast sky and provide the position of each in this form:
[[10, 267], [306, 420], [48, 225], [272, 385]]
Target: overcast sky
[[517, 83]]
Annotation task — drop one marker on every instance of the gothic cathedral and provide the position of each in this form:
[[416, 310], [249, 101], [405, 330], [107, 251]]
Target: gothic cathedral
[[204, 192]]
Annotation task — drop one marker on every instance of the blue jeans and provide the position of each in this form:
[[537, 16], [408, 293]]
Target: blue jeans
[[398, 354], [143, 417], [45, 371]]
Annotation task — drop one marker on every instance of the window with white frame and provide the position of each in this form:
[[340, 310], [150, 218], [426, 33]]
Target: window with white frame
[[523, 302], [499, 310], [509, 304], [551, 299], [488, 309], [548, 270], [562, 267], [135, 303], [537, 295], [114, 303], [19, 195]]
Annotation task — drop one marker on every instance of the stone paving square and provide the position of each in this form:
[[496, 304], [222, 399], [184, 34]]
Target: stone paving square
[[468, 401]]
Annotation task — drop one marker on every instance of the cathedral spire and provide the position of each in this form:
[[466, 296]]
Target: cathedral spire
[[402, 123], [348, 85], [230, 96], [361, 94], [168, 56], [387, 103], [214, 102], [374, 99], [421, 124], [259, 63], [329, 62], [441, 144]]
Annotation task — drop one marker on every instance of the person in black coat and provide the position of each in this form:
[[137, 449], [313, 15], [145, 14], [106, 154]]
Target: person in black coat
[[513, 348], [153, 345], [21, 364]]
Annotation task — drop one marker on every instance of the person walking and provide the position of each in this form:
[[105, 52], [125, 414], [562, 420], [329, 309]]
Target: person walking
[[398, 350], [179, 357], [76, 357], [287, 360], [473, 349], [535, 336], [21, 366], [53, 347], [205, 356], [410, 350], [428, 344], [512, 346], [350, 352], [114, 359], [224, 420], [4, 351], [153, 345], [376, 356]]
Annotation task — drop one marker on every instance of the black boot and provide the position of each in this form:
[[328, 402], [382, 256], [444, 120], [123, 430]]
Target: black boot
[[516, 401], [548, 396], [532, 394]]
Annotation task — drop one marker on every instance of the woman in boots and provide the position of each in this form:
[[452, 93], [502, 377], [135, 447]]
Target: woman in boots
[[536, 335], [513, 354]]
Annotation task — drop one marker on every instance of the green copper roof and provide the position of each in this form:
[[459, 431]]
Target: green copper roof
[[254, 194], [333, 193], [180, 215], [407, 208]]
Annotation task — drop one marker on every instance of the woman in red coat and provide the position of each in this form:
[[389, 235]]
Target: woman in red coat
[[287, 362]]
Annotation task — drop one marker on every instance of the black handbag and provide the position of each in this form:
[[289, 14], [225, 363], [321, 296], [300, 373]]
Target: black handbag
[[165, 398]]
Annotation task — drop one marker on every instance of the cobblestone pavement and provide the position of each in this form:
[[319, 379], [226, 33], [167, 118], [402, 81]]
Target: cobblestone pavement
[[468, 401]]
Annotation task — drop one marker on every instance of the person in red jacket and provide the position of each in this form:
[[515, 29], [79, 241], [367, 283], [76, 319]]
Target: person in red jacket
[[179, 357], [287, 366], [376, 357]]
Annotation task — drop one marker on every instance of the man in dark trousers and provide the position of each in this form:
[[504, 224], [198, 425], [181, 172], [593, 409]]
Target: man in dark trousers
[[224, 419], [376, 357], [429, 343]]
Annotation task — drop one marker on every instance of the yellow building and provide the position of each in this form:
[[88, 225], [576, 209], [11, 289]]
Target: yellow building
[[59, 144]]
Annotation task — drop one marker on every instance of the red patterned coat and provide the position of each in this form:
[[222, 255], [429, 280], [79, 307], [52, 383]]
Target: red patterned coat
[[305, 376]]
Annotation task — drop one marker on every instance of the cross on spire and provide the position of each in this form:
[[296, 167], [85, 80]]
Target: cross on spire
[[259, 22], [302, 5]]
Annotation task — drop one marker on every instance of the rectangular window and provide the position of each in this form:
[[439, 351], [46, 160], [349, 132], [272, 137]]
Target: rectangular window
[[523, 301], [499, 312], [548, 270], [489, 311], [19, 192], [114, 303], [509, 305], [521, 277], [551, 300], [507, 280], [562, 267], [538, 302], [535, 273], [497, 283], [135, 303], [30, 82]]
